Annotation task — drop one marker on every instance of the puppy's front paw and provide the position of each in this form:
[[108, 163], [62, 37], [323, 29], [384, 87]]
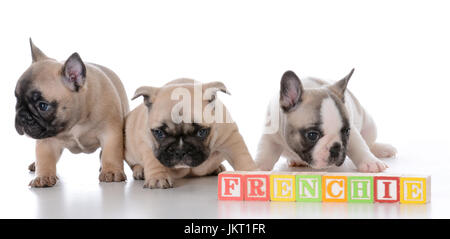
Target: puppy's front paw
[[138, 172], [112, 175], [371, 166], [32, 167], [43, 181], [220, 169], [292, 164], [383, 150], [159, 180]]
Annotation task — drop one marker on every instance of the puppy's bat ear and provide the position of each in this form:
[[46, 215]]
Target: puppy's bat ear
[[74, 72], [210, 90], [340, 86], [36, 53], [149, 93], [291, 91]]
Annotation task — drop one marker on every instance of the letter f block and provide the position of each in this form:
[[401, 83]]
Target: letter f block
[[231, 186]]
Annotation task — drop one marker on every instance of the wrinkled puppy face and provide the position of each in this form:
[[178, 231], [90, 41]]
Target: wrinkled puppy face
[[44, 92], [35, 114], [317, 128], [181, 145], [180, 136]]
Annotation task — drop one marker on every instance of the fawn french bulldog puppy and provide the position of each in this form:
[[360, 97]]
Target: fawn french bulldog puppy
[[319, 125], [74, 105], [161, 144]]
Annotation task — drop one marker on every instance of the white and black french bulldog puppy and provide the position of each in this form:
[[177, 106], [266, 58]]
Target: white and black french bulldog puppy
[[318, 125], [71, 105]]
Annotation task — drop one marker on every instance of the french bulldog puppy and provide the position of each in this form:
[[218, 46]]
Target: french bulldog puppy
[[74, 105], [166, 138], [319, 124]]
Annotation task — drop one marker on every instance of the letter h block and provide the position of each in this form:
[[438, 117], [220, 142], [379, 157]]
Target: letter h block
[[360, 188], [231, 186]]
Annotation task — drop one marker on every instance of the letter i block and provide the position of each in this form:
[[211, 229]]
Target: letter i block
[[334, 188], [415, 189], [231, 186], [387, 189], [360, 189], [308, 187], [282, 187], [257, 186]]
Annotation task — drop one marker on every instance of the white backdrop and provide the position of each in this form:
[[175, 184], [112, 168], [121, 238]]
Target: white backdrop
[[400, 50]]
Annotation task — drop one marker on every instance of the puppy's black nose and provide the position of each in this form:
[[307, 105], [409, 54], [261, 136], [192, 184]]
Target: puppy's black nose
[[335, 150], [179, 153]]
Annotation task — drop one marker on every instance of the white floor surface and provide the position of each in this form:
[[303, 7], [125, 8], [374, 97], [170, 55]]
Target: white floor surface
[[78, 194]]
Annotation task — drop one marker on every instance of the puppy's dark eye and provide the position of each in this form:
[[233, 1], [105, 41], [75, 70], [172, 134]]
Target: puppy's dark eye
[[159, 134], [202, 133], [312, 135], [43, 106], [346, 131]]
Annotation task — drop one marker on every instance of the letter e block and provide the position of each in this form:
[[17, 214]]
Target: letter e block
[[387, 189], [415, 189], [231, 186], [257, 186], [282, 187]]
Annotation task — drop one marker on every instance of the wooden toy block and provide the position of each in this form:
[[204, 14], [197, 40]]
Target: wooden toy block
[[257, 186], [360, 188], [282, 187], [326, 187], [308, 186], [231, 186], [387, 189], [334, 188], [415, 189]]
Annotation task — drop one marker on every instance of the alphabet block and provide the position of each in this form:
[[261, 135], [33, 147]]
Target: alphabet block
[[282, 187], [360, 188], [308, 187], [322, 186], [257, 186], [415, 189], [231, 186], [334, 188], [387, 189]]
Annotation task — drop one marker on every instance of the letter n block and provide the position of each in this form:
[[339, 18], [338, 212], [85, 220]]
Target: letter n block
[[360, 189], [282, 187], [231, 186], [334, 188], [309, 187], [415, 189], [257, 186], [387, 189]]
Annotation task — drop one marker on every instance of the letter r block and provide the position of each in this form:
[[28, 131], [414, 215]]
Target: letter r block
[[415, 189], [257, 186], [231, 186], [387, 189]]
